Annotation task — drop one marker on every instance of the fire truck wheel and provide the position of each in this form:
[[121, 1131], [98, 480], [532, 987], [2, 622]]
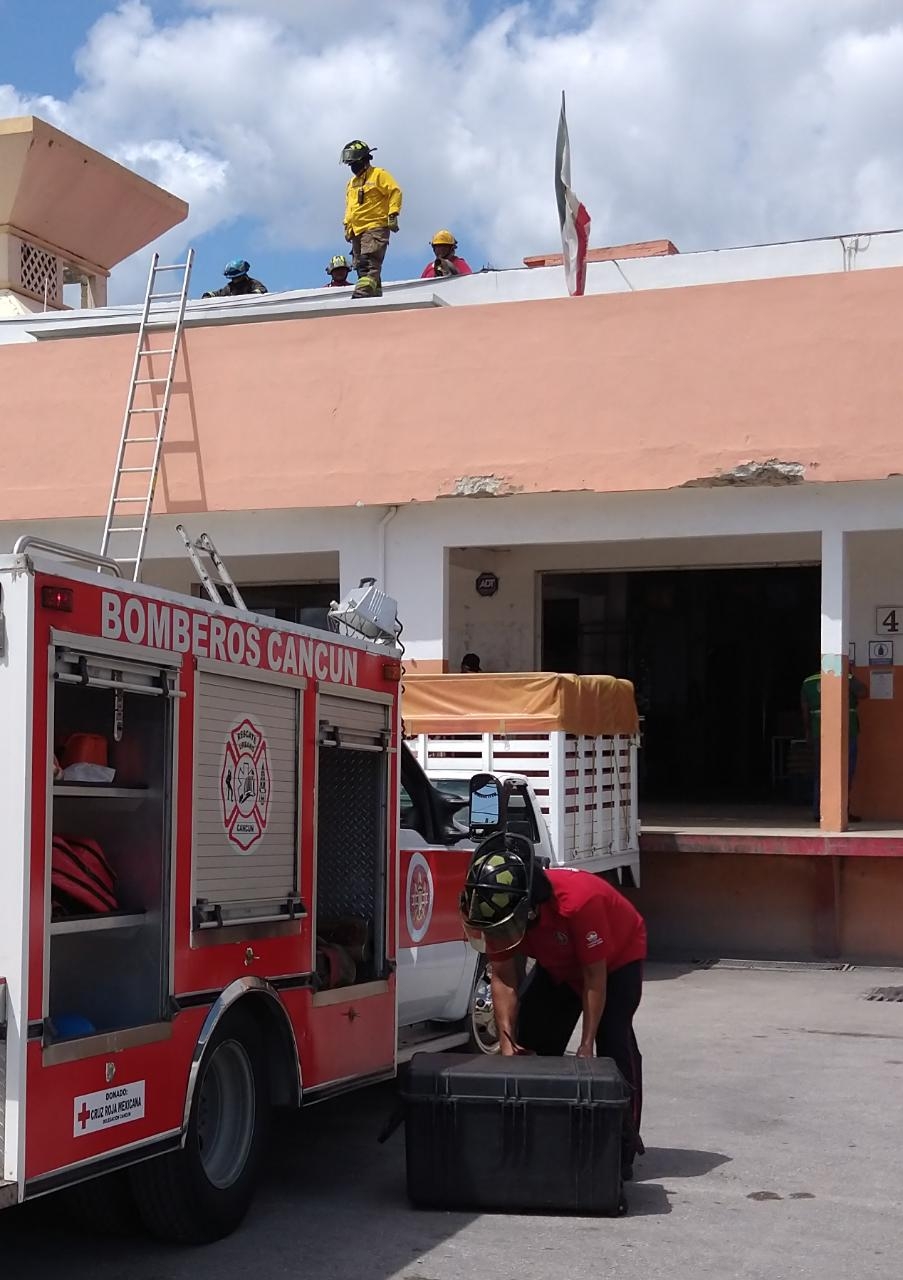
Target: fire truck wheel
[[202, 1192], [101, 1206]]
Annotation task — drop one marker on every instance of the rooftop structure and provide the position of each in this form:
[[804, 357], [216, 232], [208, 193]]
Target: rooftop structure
[[68, 215]]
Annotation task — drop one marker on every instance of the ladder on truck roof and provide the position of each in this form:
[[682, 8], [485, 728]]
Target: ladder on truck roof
[[141, 446], [202, 546]]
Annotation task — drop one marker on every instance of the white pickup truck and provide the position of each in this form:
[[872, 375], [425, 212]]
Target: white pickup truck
[[444, 984], [572, 739], [568, 744]]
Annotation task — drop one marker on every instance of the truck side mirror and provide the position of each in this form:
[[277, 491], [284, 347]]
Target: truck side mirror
[[488, 806]]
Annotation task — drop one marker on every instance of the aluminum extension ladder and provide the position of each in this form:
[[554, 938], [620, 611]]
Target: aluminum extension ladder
[[197, 548], [140, 448]]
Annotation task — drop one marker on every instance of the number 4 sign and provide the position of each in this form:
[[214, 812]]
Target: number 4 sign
[[889, 619]]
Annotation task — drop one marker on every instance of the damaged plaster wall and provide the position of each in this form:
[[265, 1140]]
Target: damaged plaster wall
[[750, 475]]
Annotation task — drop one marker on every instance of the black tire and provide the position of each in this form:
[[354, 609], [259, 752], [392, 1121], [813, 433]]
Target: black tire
[[101, 1206], [203, 1191]]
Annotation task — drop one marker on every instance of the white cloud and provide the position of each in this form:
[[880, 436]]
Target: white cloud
[[710, 122]]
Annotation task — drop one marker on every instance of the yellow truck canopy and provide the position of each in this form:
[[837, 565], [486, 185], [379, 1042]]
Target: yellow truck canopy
[[531, 702]]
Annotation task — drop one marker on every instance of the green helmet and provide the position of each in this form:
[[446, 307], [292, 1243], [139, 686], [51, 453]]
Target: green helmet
[[338, 262], [495, 905]]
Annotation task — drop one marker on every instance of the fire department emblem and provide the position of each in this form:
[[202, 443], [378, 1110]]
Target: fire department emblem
[[419, 897], [245, 785]]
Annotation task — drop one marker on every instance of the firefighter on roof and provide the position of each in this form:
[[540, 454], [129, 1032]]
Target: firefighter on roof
[[239, 282], [445, 258], [372, 206], [337, 271]]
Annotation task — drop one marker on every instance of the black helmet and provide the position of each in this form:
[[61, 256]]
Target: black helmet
[[496, 902], [356, 151]]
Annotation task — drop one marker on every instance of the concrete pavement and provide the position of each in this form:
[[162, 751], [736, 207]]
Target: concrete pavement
[[774, 1108]]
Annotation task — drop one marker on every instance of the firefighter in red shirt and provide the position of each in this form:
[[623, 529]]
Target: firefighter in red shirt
[[589, 944], [445, 258], [338, 270]]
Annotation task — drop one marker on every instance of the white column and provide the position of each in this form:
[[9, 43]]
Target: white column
[[416, 574]]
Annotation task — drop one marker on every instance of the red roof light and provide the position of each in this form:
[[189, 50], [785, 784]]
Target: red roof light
[[59, 598]]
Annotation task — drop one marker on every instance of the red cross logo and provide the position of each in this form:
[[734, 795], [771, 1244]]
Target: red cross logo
[[83, 1116]]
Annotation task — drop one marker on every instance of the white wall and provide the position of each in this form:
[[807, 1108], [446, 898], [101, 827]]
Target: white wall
[[517, 536], [875, 576]]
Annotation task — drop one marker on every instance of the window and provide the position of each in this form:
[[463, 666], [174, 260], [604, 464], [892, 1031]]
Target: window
[[306, 603], [352, 854]]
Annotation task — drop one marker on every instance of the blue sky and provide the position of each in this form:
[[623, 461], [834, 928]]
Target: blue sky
[[702, 121]]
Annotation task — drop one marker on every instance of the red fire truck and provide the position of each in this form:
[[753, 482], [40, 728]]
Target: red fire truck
[[205, 912]]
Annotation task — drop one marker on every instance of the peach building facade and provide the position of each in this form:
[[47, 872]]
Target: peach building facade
[[691, 477]]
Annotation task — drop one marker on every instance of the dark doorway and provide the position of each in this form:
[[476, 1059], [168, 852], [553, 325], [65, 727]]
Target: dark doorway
[[717, 657]]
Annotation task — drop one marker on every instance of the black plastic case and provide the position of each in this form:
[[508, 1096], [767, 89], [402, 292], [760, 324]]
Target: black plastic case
[[521, 1134]]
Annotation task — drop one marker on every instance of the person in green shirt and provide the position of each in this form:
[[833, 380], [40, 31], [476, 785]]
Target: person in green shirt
[[810, 702]]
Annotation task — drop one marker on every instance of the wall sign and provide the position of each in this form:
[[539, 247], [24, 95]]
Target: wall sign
[[487, 584], [881, 685], [889, 619], [881, 653]]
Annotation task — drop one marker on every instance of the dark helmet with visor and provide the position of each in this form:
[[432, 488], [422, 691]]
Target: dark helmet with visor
[[356, 152], [496, 902]]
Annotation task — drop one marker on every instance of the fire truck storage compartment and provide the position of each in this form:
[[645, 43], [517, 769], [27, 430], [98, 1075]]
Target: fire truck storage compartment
[[246, 811], [352, 798], [108, 968]]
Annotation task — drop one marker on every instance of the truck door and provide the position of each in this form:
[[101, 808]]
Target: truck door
[[435, 963], [353, 1014]]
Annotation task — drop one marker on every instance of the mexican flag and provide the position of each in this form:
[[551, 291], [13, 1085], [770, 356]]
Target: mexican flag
[[572, 215]]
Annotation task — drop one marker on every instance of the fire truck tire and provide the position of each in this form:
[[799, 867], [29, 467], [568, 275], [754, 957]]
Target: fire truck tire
[[102, 1206], [203, 1191]]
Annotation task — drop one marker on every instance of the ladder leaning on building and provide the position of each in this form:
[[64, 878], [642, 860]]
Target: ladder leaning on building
[[140, 449]]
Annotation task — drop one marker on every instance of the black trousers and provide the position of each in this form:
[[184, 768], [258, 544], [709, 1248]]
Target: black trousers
[[549, 1012]]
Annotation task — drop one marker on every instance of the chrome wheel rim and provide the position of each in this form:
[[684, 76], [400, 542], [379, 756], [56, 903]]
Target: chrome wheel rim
[[226, 1112], [482, 1014]]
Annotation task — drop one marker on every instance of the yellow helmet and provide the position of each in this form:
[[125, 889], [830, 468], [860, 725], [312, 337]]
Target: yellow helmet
[[444, 237]]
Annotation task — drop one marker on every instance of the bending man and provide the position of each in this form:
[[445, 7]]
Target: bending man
[[589, 944]]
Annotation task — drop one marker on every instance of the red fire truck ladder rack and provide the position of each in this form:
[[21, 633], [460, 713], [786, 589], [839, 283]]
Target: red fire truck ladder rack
[[140, 444], [202, 546]]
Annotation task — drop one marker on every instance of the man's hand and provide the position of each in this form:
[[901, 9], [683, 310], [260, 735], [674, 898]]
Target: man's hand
[[595, 984], [511, 1049], [393, 222], [349, 235]]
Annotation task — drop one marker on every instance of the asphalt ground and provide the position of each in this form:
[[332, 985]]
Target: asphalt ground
[[773, 1122]]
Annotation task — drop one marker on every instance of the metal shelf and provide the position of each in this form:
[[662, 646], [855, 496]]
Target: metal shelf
[[106, 793], [94, 924]]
